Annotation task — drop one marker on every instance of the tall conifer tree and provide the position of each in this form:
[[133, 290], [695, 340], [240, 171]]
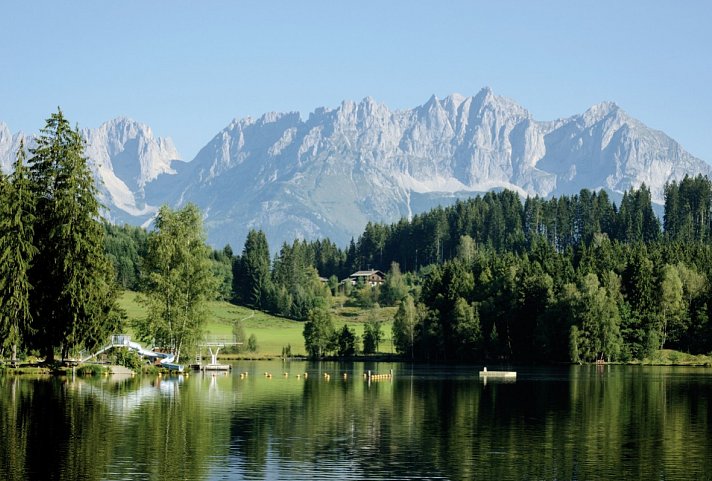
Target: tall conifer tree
[[254, 277], [16, 253], [74, 298]]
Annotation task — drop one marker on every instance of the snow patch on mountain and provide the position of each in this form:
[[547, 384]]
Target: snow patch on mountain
[[331, 173]]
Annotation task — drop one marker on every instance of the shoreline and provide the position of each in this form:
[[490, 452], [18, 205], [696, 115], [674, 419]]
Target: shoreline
[[35, 368]]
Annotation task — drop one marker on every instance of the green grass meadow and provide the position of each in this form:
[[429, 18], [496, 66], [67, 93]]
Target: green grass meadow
[[273, 333]]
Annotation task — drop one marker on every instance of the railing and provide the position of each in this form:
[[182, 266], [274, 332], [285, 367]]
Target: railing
[[116, 340]]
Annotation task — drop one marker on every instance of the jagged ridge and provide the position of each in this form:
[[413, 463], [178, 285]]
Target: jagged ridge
[[331, 173]]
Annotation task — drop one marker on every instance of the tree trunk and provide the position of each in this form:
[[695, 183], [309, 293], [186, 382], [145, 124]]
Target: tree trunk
[[49, 354]]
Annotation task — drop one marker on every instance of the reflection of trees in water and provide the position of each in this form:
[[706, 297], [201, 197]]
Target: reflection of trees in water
[[587, 423], [88, 430], [593, 425], [13, 429], [48, 432]]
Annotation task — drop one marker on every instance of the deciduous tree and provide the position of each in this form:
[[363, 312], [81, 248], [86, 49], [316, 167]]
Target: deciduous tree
[[178, 280], [318, 333], [404, 326]]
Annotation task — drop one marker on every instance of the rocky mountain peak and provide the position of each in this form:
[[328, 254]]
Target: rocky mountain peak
[[602, 111], [358, 162], [9, 144], [131, 151]]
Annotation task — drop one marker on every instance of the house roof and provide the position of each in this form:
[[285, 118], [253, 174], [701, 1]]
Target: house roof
[[367, 273]]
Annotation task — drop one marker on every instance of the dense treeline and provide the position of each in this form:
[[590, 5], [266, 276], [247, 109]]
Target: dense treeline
[[571, 278], [500, 221], [290, 286], [125, 247], [605, 301]]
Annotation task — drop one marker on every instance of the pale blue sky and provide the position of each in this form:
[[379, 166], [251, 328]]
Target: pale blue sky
[[187, 68]]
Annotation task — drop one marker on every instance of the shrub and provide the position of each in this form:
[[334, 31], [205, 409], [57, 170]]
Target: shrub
[[129, 359], [91, 370], [252, 343]]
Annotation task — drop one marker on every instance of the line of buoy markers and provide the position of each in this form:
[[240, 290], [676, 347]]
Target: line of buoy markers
[[368, 376]]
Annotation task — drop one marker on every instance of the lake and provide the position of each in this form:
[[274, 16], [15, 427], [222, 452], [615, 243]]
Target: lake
[[428, 422]]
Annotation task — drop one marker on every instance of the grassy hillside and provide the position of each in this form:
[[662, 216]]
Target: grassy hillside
[[273, 332]]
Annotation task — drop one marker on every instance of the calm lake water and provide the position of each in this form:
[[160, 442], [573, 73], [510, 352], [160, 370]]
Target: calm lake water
[[429, 422]]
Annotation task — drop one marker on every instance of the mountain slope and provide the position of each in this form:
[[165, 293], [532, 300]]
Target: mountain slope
[[330, 174]]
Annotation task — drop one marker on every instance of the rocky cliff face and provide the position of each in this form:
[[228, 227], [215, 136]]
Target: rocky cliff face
[[333, 172], [330, 174], [125, 157]]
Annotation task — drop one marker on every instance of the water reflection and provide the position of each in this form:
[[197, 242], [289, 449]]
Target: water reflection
[[427, 422]]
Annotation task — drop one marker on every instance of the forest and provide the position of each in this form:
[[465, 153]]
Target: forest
[[571, 279]]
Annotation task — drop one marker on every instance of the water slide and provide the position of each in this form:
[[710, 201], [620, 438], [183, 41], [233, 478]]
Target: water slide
[[165, 359]]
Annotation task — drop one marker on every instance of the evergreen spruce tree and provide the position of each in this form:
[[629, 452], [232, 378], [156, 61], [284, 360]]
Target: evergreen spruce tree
[[73, 301], [16, 253], [252, 280]]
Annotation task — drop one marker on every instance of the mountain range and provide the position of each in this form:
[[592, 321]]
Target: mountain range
[[330, 174]]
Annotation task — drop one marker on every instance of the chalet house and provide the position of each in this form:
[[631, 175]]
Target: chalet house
[[372, 278]]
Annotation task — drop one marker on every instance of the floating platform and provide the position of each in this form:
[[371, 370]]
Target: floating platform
[[216, 367], [498, 374]]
